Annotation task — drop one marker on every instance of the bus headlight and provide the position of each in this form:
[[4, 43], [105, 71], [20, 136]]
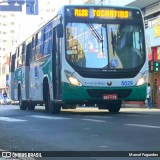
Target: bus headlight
[[72, 80], [142, 80]]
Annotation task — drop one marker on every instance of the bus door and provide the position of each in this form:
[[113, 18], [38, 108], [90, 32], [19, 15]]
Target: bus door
[[56, 67], [27, 64], [11, 77]]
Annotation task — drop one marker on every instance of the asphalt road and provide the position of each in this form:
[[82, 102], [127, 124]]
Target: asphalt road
[[83, 129]]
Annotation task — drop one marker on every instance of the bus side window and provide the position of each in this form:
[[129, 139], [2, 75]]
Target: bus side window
[[16, 54], [12, 67], [23, 53], [33, 47], [28, 53], [41, 42], [19, 60], [48, 39], [39, 45]]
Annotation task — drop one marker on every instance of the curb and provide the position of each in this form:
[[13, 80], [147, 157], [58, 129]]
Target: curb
[[138, 106]]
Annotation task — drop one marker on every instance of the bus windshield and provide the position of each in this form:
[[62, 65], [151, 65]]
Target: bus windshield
[[109, 46]]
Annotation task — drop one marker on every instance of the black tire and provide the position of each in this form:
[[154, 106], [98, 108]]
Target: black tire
[[51, 107], [115, 106], [31, 107], [47, 101], [54, 108], [73, 106], [22, 104], [66, 106]]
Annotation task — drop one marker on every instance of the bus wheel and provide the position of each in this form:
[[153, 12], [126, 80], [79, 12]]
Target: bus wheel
[[22, 104], [31, 107], [54, 108], [51, 107], [73, 106], [47, 101], [114, 106], [66, 106]]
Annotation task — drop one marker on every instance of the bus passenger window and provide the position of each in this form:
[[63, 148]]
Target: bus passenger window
[[47, 47], [19, 60]]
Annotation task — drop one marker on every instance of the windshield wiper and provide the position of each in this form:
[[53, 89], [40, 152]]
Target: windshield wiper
[[95, 32], [102, 39], [112, 42]]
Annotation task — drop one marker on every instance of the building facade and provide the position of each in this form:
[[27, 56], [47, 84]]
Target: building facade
[[14, 27], [8, 30], [151, 13]]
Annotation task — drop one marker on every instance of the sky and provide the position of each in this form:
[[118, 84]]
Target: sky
[[118, 2], [25, 27], [111, 2]]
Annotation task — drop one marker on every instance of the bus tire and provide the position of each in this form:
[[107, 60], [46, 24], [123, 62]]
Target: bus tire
[[114, 106], [54, 109], [51, 107], [65, 106], [47, 101], [22, 104], [73, 106], [31, 107]]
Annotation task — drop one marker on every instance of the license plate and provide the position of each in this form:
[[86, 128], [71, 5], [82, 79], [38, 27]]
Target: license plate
[[110, 96]]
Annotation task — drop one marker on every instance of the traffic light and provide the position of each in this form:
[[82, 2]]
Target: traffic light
[[150, 66], [156, 66]]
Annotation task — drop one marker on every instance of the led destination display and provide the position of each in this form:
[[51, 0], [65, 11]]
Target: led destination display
[[102, 13]]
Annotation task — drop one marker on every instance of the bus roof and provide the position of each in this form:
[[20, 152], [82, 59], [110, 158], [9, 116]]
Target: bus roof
[[102, 6]]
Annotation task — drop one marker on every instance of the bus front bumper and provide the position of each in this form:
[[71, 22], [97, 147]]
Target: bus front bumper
[[85, 93]]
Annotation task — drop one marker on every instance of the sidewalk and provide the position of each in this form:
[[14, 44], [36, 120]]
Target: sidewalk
[[138, 106]]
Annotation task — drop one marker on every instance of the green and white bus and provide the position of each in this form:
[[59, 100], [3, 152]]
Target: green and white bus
[[86, 54]]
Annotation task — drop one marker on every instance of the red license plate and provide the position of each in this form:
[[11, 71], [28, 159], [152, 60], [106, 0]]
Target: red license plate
[[110, 96]]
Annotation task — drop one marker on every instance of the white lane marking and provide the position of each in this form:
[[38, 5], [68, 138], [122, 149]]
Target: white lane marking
[[103, 146], [140, 125], [95, 135], [48, 117], [133, 115], [99, 117], [11, 119], [93, 120], [87, 128]]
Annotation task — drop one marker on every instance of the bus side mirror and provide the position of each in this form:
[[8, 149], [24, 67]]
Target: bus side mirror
[[60, 31]]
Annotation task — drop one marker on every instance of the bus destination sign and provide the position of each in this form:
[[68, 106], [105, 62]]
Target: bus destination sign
[[102, 13]]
